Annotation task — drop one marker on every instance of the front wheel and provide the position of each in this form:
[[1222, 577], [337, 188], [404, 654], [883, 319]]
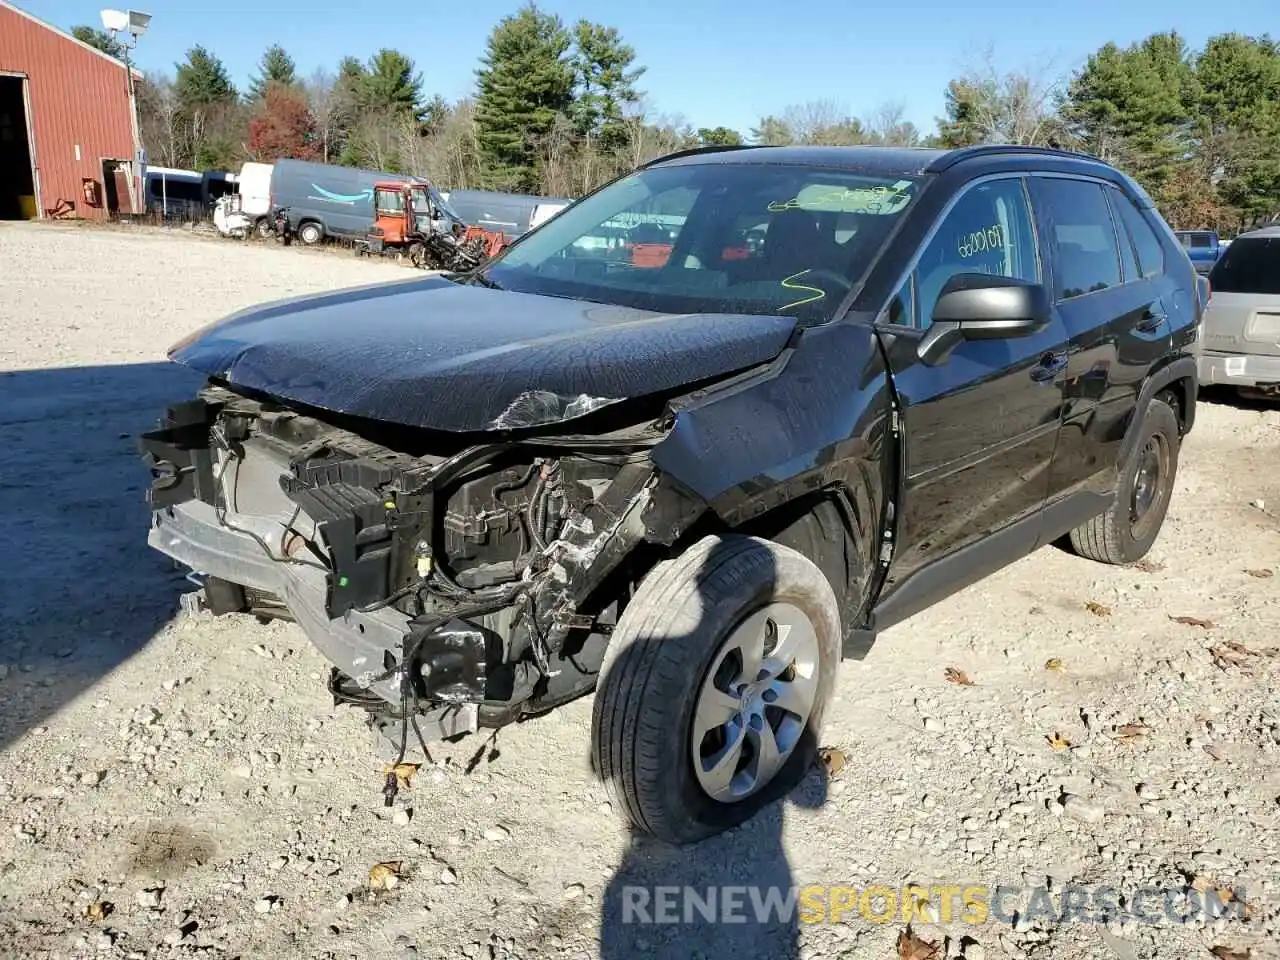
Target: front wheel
[[1142, 493], [310, 234], [713, 688]]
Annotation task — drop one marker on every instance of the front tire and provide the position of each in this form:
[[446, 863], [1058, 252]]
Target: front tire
[[1130, 527], [714, 686]]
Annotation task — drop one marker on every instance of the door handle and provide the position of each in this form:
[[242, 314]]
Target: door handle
[[1050, 365], [1152, 319]]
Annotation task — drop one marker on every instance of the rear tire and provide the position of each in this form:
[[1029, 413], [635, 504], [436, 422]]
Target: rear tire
[[262, 228], [676, 691], [310, 234], [1127, 531]]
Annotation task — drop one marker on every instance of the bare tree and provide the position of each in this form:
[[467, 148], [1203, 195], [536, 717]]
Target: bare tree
[[160, 122], [823, 123], [327, 107], [887, 124], [987, 105]]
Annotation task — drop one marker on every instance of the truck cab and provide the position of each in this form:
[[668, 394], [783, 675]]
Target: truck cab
[[1202, 247]]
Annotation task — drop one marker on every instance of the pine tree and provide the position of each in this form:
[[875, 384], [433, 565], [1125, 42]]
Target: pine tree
[[525, 82], [606, 81], [719, 137], [203, 80], [99, 40], [275, 67], [390, 85]]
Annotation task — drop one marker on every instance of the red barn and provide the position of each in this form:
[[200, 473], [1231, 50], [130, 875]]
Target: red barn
[[67, 124]]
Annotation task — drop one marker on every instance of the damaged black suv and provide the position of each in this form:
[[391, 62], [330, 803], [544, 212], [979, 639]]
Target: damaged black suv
[[688, 444]]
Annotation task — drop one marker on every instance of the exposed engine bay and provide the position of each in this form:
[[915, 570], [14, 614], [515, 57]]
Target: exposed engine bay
[[452, 584]]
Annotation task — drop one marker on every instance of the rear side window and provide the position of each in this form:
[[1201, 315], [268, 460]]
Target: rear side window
[[1145, 241], [1248, 265], [1083, 238]]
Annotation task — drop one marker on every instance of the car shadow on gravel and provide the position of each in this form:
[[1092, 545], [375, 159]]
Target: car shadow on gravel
[[81, 591], [731, 895]]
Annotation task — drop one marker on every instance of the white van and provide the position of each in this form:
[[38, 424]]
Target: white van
[[255, 195]]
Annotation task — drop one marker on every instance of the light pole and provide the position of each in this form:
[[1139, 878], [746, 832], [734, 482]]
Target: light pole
[[134, 23]]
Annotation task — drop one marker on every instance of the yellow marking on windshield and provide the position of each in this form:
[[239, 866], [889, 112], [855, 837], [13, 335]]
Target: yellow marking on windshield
[[818, 292], [869, 199]]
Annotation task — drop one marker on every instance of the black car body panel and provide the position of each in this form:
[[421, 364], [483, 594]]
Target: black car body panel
[[905, 472], [438, 355]]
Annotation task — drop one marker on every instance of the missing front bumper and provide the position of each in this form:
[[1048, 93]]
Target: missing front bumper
[[359, 644]]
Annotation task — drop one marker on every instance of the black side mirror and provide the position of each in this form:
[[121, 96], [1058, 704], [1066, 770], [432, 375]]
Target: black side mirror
[[979, 306]]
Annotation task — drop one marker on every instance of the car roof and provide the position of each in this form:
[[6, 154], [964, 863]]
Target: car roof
[[888, 161], [1262, 233]]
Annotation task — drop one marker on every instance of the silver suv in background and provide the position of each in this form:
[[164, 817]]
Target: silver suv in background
[[1242, 322]]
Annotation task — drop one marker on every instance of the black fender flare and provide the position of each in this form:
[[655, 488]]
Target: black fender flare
[[1183, 368]]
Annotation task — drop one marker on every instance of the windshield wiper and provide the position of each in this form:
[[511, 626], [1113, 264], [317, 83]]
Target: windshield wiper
[[479, 277]]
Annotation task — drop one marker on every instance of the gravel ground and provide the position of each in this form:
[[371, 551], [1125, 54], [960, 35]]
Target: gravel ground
[[193, 774]]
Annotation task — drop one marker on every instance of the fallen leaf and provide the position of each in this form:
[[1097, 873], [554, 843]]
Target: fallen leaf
[[1233, 654], [1098, 609], [1261, 573], [1215, 751], [1058, 741], [911, 947], [1148, 566], [1194, 622], [833, 760], [1201, 883], [384, 876], [956, 675], [1129, 732], [99, 910], [403, 772], [1053, 664], [1231, 953]]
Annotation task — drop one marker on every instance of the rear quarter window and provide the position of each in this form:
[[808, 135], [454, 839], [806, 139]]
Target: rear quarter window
[[1248, 265]]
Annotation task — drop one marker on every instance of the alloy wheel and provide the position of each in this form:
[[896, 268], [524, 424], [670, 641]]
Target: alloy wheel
[[754, 704]]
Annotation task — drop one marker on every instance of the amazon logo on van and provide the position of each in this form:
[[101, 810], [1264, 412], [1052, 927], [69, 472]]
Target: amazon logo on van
[[351, 199]]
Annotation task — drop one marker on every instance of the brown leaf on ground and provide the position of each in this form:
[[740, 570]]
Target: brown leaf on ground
[[1054, 664], [99, 910], [1231, 953], [956, 675], [911, 947], [1058, 741], [384, 876], [1193, 622], [832, 759], [404, 773], [1261, 573], [1233, 654], [1215, 751], [1098, 609], [1148, 566], [1129, 732]]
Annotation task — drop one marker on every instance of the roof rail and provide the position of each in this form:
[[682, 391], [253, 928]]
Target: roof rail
[[710, 148], [953, 157]]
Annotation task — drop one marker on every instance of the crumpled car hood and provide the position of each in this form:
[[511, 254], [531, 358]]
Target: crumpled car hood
[[435, 354]]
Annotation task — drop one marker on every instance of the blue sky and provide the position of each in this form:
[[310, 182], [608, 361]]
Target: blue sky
[[714, 61]]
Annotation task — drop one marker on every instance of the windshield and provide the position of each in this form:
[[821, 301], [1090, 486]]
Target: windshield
[[713, 238], [443, 205], [1248, 266]]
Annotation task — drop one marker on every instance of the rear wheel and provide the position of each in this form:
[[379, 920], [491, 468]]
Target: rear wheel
[[714, 686], [310, 234], [1128, 529], [263, 228]]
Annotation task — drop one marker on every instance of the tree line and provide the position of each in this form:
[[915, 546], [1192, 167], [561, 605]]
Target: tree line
[[557, 109]]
